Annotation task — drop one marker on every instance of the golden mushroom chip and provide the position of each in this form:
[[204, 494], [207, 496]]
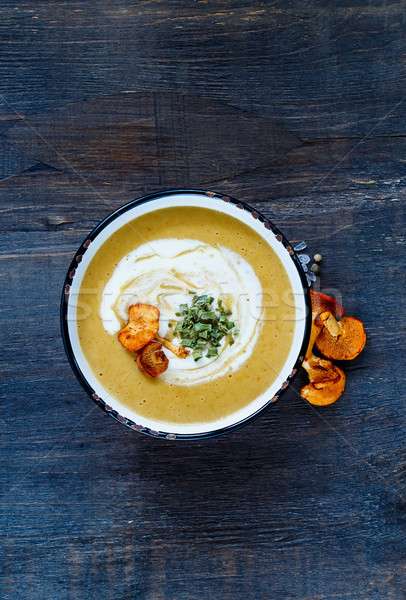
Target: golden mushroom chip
[[341, 340], [151, 359], [142, 326], [327, 381]]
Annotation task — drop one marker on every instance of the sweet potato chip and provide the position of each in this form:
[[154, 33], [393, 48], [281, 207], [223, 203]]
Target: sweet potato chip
[[142, 326]]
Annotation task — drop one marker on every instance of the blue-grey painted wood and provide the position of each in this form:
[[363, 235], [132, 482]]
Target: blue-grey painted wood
[[305, 502]]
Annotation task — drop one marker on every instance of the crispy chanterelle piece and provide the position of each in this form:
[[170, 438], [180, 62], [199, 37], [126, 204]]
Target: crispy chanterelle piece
[[142, 326], [326, 381], [138, 335], [340, 340], [342, 337], [151, 360], [322, 302], [179, 351]]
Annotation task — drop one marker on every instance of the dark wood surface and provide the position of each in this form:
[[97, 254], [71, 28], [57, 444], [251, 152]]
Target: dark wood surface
[[297, 108]]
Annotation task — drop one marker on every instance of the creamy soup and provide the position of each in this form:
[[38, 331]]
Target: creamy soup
[[163, 258], [166, 273]]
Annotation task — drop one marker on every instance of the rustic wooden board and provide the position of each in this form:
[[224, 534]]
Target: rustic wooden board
[[13, 160], [326, 70], [316, 494], [163, 138], [296, 109]]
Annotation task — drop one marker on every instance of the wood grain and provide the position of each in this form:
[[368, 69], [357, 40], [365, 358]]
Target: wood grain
[[324, 70], [106, 508], [167, 139], [13, 160], [295, 108]]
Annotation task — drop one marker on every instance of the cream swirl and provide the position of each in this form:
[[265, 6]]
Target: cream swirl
[[162, 272]]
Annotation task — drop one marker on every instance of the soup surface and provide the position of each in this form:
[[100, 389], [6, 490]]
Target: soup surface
[[159, 258]]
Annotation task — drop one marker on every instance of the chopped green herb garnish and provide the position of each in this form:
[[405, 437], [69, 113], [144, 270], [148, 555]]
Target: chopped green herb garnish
[[208, 316], [202, 326], [223, 311], [212, 352], [197, 354]]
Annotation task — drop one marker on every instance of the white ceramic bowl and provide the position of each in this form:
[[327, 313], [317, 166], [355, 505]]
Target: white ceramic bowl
[[174, 198]]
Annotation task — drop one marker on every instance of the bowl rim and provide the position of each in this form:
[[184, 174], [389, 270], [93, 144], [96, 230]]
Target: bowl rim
[[65, 302]]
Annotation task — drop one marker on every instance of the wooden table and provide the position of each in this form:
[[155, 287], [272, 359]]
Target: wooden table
[[298, 109]]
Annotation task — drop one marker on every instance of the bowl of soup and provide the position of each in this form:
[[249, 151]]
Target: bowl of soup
[[187, 253]]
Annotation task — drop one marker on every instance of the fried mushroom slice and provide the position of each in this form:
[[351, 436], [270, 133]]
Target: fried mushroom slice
[[322, 302], [317, 325], [151, 359], [327, 381], [142, 326], [341, 340], [179, 351]]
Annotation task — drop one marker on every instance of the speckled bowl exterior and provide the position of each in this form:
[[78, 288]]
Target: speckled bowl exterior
[[72, 271]]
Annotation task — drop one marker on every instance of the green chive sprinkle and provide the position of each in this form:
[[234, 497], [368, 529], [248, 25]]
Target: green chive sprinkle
[[212, 352], [197, 354], [202, 326]]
